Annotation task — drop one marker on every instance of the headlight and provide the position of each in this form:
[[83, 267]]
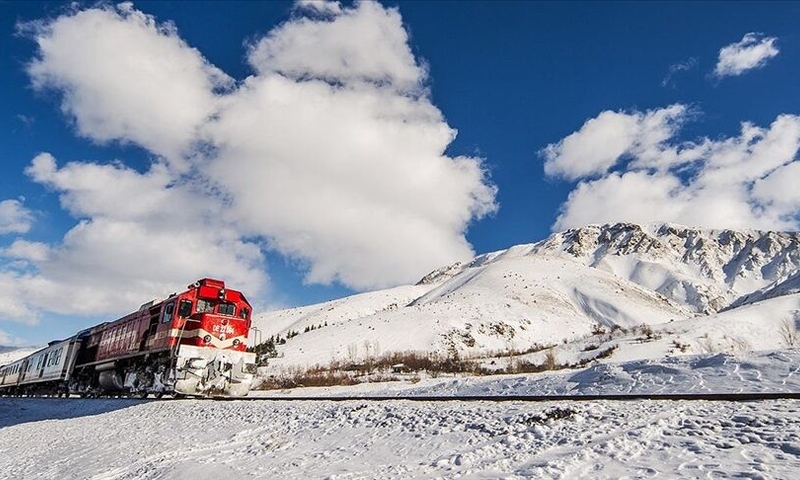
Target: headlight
[[207, 339], [196, 363], [236, 342]]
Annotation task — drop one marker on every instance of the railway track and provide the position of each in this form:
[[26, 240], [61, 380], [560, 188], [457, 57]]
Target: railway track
[[718, 397], [713, 397]]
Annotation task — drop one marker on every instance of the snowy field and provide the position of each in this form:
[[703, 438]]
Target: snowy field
[[744, 372], [193, 439]]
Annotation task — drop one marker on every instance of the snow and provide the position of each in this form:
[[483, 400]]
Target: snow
[[702, 291], [12, 354], [744, 372], [117, 439]]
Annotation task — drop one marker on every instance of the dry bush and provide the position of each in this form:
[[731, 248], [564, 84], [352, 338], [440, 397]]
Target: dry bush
[[788, 332], [380, 369], [706, 344], [683, 347], [598, 329], [306, 379], [550, 362]]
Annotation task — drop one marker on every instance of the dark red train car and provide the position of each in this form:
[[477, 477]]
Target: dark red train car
[[193, 343]]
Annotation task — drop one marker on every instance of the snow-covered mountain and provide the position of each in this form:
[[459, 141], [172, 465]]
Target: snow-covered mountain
[[698, 289], [12, 354]]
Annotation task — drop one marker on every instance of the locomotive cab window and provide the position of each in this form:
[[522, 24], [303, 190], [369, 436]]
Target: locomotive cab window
[[244, 313], [185, 308], [169, 312], [226, 309], [204, 306]]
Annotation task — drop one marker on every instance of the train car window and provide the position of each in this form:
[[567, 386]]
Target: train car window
[[204, 306], [169, 312], [244, 313], [226, 309], [185, 308]]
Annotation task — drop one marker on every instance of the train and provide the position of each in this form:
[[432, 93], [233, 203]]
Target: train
[[192, 343]]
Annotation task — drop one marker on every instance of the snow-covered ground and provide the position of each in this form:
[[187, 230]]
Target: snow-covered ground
[[746, 372], [118, 439], [196, 439]]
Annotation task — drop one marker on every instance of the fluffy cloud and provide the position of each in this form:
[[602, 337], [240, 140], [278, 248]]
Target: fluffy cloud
[[322, 7], [745, 181], [26, 251], [363, 44], [331, 154], [600, 143], [752, 51], [7, 340], [346, 158], [139, 237], [125, 77], [14, 217]]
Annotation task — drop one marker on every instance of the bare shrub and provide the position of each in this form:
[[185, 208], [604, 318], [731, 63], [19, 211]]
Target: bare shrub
[[308, 378], [740, 344], [788, 332], [550, 362], [385, 368], [598, 329], [706, 344], [683, 347], [648, 335]]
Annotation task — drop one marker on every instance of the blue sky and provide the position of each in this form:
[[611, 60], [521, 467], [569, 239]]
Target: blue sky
[[306, 151]]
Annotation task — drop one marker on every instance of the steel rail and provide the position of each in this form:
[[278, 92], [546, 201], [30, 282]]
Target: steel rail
[[717, 397], [710, 397]]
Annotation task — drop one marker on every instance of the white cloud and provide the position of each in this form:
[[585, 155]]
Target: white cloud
[[323, 7], [14, 217], [366, 43], [125, 77], [675, 68], [752, 51], [601, 141], [26, 251], [745, 181], [354, 179], [7, 340], [14, 305], [331, 154], [141, 236]]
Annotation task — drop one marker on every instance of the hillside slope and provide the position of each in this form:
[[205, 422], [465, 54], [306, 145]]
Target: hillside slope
[[700, 289], [12, 354]]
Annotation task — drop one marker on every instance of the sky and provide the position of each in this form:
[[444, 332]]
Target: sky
[[303, 151]]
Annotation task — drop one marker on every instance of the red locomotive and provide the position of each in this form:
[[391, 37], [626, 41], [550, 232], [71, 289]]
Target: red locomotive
[[192, 343]]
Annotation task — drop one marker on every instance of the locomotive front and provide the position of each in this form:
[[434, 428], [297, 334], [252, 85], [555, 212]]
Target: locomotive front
[[210, 337]]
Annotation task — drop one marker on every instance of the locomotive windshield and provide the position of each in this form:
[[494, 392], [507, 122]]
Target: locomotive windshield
[[205, 306], [220, 307], [226, 309]]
